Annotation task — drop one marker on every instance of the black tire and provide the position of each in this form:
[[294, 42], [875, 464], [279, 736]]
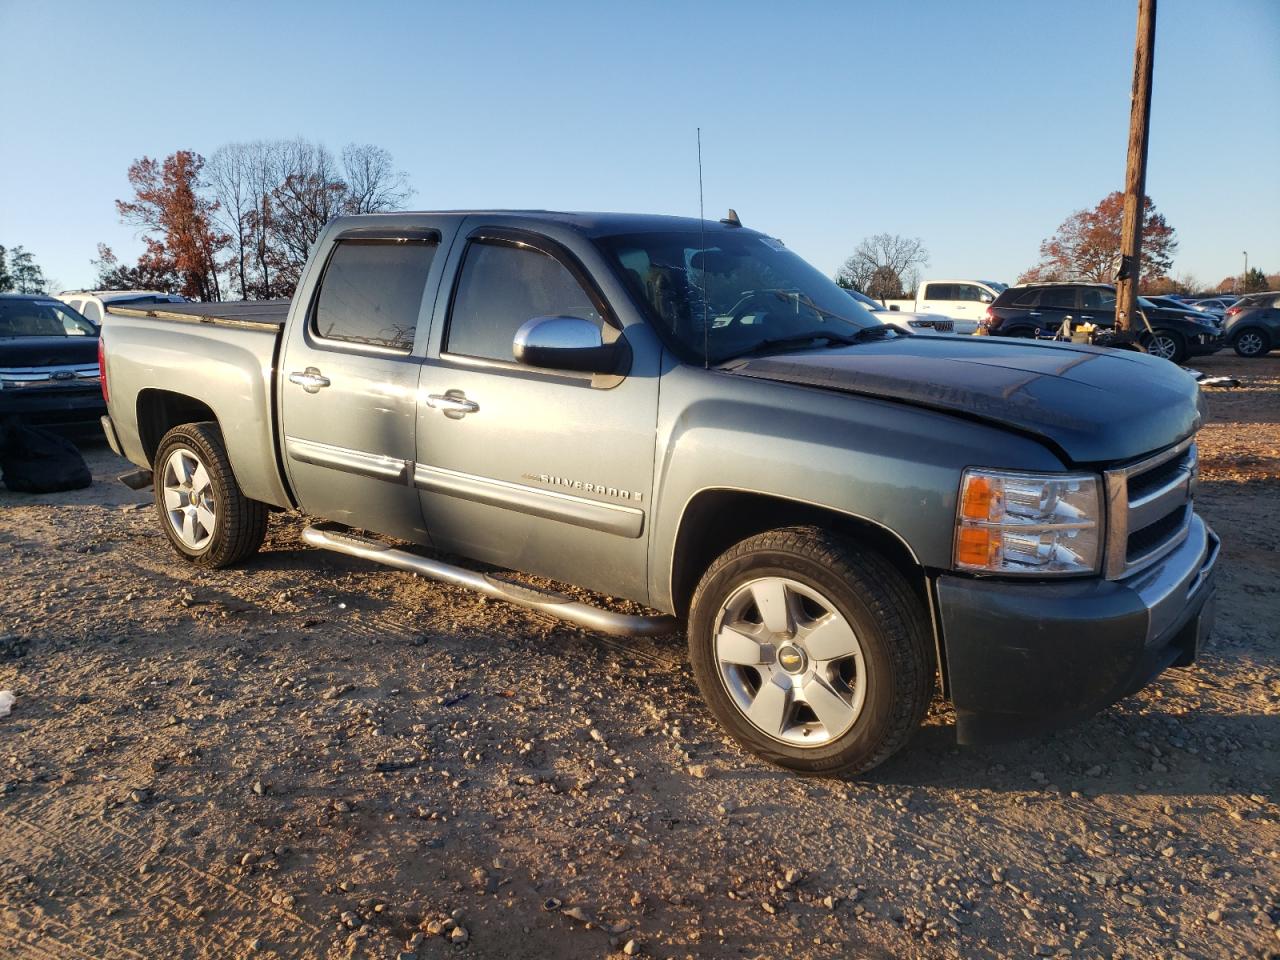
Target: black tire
[[241, 523], [1176, 340], [886, 615], [1251, 342]]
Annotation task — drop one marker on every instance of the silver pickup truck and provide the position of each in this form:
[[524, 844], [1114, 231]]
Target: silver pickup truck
[[685, 414]]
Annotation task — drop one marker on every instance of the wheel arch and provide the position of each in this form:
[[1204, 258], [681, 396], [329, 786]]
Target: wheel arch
[[159, 411], [716, 518]]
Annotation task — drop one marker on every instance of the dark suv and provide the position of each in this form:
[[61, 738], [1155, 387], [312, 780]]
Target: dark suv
[[1039, 309], [48, 362], [1252, 324]]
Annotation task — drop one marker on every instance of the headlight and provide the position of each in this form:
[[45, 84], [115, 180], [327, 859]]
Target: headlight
[[1028, 524]]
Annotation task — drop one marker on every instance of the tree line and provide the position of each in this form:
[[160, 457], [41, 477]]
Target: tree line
[[19, 272], [1083, 248], [242, 223]]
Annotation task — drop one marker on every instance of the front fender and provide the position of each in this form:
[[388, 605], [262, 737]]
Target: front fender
[[891, 464]]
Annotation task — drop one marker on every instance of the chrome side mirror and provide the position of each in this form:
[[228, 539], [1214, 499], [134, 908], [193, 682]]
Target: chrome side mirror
[[564, 343]]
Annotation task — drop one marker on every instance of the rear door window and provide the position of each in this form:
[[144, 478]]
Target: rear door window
[[501, 287], [939, 291], [1091, 298], [371, 292], [1027, 298], [1058, 298]]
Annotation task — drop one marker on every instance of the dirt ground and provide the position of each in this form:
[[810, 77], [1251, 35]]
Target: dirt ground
[[314, 757]]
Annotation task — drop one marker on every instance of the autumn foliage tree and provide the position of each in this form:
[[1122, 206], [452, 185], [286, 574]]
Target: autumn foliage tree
[[182, 239], [1085, 245], [152, 272], [261, 205]]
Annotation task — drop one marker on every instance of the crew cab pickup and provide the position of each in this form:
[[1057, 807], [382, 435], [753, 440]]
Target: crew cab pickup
[[839, 513], [964, 301]]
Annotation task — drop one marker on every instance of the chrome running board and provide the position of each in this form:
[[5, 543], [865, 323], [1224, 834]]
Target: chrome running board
[[341, 540]]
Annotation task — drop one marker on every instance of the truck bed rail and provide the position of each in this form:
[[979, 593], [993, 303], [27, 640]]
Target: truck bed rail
[[254, 314]]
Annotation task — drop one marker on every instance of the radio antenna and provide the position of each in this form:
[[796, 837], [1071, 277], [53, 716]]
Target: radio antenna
[[702, 221]]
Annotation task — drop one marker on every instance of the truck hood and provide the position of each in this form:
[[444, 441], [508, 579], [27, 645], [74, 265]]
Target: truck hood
[[1093, 405], [47, 351]]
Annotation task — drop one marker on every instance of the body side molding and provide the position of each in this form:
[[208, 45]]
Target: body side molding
[[551, 504], [347, 460]]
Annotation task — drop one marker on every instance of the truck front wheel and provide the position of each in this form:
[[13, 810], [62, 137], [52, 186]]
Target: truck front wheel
[[200, 506], [812, 651]]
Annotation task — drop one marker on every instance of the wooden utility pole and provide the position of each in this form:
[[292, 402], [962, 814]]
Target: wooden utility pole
[[1135, 174]]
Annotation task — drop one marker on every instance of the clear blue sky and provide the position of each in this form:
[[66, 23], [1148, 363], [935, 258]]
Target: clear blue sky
[[976, 126]]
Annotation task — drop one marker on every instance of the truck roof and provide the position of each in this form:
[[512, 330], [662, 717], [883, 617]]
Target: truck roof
[[588, 223]]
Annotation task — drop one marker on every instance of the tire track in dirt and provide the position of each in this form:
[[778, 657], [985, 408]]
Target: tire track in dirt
[[113, 858]]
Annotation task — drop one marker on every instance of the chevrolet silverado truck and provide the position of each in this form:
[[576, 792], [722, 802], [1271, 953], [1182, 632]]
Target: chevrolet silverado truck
[[841, 515]]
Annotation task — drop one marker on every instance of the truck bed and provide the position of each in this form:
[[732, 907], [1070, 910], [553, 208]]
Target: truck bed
[[220, 356], [236, 313]]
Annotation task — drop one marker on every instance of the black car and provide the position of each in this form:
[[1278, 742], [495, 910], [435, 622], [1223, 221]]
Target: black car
[[1252, 324], [48, 362], [1039, 310]]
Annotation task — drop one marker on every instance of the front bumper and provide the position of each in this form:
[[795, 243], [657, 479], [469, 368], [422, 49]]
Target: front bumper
[[1204, 343], [1025, 658], [53, 405]]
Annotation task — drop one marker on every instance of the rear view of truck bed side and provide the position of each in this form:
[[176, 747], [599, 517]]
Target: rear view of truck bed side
[[198, 362]]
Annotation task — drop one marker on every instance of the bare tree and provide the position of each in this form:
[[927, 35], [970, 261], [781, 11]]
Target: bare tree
[[310, 193], [313, 188], [885, 265], [373, 183], [229, 176]]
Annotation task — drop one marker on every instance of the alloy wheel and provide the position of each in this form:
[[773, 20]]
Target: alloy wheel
[[1249, 343], [790, 661], [189, 501], [1163, 346]]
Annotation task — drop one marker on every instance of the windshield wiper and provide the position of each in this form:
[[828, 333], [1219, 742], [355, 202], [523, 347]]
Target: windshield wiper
[[802, 340]]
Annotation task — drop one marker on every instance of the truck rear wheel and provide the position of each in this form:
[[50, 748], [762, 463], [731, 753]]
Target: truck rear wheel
[[812, 651], [200, 506]]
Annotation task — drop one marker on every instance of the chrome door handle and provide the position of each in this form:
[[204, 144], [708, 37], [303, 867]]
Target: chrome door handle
[[453, 404], [310, 380], [1033, 314]]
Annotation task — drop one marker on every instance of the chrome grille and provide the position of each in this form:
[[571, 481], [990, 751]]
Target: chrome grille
[[41, 376], [1149, 505]]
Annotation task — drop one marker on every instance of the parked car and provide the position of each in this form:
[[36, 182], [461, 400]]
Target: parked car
[[687, 415], [1252, 324], [1039, 309], [1168, 302], [93, 303], [1215, 306], [48, 362], [912, 322], [964, 301]]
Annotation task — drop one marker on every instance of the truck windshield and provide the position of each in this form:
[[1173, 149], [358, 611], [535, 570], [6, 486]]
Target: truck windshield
[[42, 318], [738, 293]]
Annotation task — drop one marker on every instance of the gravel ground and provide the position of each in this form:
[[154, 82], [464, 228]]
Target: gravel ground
[[313, 757]]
